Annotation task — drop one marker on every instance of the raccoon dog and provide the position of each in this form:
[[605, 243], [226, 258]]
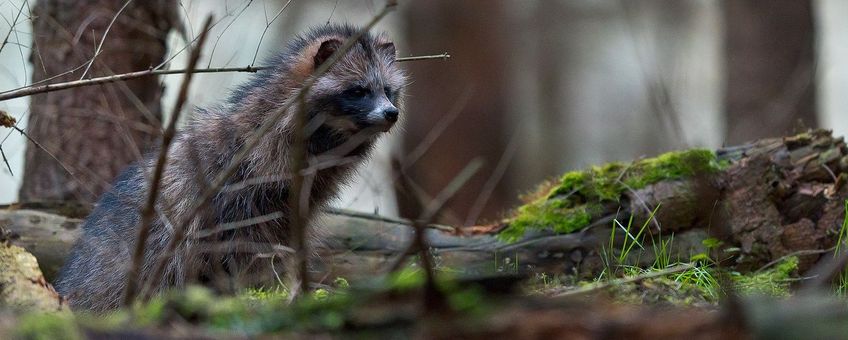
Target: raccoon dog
[[348, 108]]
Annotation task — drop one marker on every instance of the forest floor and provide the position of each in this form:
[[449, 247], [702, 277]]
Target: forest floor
[[619, 251]]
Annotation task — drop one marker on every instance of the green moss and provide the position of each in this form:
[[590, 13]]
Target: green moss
[[569, 205], [773, 282], [548, 214], [48, 326], [265, 294], [660, 291]]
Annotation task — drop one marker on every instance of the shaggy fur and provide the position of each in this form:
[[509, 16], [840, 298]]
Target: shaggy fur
[[348, 107]]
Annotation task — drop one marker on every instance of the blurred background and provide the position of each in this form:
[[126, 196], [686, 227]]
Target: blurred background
[[534, 88]]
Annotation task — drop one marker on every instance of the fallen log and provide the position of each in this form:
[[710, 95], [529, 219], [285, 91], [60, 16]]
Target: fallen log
[[764, 201]]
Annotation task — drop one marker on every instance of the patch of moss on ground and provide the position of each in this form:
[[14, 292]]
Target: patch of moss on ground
[[48, 326], [660, 291], [255, 311], [568, 206], [772, 282]]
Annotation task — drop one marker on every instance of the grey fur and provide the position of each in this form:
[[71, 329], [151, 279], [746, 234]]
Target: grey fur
[[94, 276]]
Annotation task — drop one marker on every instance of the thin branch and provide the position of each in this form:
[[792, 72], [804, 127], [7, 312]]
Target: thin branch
[[433, 297], [148, 212], [31, 90], [443, 56], [65, 167], [595, 287], [28, 91], [6, 160], [226, 28], [825, 271], [426, 219], [332, 12], [12, 27], [267, 26], [491, 183], [102, 40]]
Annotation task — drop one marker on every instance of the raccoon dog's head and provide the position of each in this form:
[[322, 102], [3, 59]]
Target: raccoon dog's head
[[361, 92]]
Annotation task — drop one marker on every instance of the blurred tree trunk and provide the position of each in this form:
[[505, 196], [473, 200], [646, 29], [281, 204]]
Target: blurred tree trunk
[[475, 34], [770, 68], [92, 131]]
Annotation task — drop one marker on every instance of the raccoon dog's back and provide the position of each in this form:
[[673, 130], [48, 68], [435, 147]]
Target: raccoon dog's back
[[348, 108]]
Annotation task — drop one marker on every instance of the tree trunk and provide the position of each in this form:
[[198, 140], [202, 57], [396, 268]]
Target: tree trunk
[[770, 65], [472, 81], [91, 133]]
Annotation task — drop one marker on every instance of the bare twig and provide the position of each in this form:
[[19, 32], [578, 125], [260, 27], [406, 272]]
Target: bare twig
[[443, 56], [12, 27], [433, 298], [102, 40], [6, 160], [332, 12], [267, 26], [595, 287], [426, 217], [28, 91], [31, 90], [492, 182], [824, 272], [65, 167], [226, 28], [148, 212]]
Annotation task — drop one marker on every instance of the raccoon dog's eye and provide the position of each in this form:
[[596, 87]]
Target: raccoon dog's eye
[[357, 92], [388, 91]]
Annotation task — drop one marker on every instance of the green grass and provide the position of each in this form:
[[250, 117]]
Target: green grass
[[842, 280], [662, 252], [616, 260]]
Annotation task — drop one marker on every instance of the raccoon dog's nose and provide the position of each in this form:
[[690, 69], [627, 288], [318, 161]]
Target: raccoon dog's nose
[[391, 114]]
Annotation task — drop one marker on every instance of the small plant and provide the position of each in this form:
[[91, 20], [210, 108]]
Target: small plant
[[701, 276], [615, 261], [509, 265], [662, 252], [842, 280]]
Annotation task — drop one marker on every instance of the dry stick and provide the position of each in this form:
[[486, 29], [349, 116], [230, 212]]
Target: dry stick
[[494, 179], [167, 137], [6, 160], [591, 288], [267, 26], [204, 199], [426, 217], [433, 298], [824, 272], [106, 33], [65, 167], [226, 28], [12, 27], [28, 91]]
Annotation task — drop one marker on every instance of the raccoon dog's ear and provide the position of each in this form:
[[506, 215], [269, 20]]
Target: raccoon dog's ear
[[325, 51], [388, 50]]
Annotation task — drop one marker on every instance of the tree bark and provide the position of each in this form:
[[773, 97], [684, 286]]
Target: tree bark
[[473, 81], [770, 68], [92, 133]]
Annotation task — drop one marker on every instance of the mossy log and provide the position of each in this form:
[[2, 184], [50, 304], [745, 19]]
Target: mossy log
[[762, 201], [22, 287]]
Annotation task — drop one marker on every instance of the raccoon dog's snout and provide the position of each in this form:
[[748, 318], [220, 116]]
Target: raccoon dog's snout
[[384, 114]]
